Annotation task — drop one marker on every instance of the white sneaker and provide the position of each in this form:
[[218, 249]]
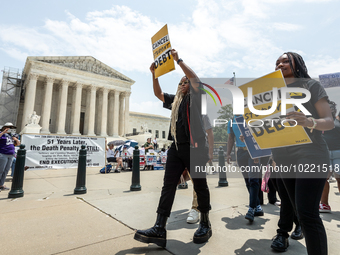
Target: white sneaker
[[331, 179], [277, 203], [193, 216]]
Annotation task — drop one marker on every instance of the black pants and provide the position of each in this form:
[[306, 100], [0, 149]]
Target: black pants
[[177, 161], [286, 218], [303, 195], [114, 159], [272, 190]]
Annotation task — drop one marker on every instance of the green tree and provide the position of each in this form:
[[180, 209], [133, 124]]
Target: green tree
[[220, 131]]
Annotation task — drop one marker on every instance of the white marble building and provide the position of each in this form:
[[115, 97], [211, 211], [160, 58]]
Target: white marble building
[[75, 95], [81, 96], [156, 125]]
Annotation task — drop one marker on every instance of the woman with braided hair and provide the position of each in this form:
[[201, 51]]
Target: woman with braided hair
[[301, 190], [188, 135]]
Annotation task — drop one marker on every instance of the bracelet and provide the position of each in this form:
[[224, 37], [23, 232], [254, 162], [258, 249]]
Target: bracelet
[[179, 61], [314, 124]]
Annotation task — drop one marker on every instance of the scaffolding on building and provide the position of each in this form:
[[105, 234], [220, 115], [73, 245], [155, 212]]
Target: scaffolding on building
[[10, 95]]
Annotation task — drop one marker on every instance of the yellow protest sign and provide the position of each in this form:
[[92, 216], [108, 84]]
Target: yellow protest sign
[[161, 48], [268, 130]]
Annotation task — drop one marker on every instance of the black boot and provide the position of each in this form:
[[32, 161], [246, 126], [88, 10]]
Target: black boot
[[280, 242], [297, 234], [203, 233], [156, 234]]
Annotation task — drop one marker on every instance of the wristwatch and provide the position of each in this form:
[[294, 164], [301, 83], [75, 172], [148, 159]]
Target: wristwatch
[[179, 61]]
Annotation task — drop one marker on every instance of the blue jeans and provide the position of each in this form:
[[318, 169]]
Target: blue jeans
[[5, 165], [252, 178], [13, 166], [334, 157]]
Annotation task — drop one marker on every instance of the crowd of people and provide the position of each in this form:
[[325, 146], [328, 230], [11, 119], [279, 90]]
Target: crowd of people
[[303, 195], [300, 194]]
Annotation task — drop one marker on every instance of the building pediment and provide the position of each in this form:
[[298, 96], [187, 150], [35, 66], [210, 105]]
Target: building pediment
[[83, 63]]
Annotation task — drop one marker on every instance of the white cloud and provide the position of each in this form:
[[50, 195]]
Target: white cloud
[[118, 37], [320, 64], [286, 26], [217, 38]]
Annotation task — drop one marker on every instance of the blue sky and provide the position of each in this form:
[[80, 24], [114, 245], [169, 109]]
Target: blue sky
[[215, 38]]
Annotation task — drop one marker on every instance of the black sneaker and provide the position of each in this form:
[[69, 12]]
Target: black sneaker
[[258, 211], [280, 243], [250, 215], [297, 234]]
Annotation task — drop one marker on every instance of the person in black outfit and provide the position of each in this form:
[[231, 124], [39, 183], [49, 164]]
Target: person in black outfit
[[272, 199], [301, 190], [189, 148], [332, 138]]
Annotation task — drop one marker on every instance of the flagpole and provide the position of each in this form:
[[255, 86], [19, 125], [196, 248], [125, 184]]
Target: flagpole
[[234, 78], [235, 139]]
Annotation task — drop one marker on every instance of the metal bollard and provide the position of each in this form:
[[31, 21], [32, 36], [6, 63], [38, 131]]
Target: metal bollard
[[18, 176], [223, 175], [135, 186], [81, 173]]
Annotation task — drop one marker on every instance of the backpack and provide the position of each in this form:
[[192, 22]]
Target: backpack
[[108, 169]]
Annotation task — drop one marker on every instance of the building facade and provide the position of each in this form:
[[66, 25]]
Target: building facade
[[156, 125], [75, 95], [82, 96]]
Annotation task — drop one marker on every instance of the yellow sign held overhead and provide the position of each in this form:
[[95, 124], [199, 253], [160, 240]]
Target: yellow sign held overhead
[[271, 134], [161, 48]]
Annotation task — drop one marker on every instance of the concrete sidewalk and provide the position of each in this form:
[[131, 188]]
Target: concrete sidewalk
[[49, 219]]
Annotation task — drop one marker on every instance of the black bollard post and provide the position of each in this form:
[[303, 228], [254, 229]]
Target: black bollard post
[[18, 176], [223, 175], [81, 173], [135, 186]]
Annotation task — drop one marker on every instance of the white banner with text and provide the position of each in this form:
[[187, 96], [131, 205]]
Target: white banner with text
[[55, 151]]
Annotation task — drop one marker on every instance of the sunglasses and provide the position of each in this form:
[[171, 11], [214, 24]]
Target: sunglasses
[[184, 82]]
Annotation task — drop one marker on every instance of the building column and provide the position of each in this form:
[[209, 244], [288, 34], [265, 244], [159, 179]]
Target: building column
[[92, 111], [116, 114], [103, 128], [76, 108], [30, 91], [110, 114], [121, 131], [126, 112], [46, 109], [63, 92], [87, 110]]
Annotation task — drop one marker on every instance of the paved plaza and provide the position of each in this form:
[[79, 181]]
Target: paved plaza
[[50, 219]]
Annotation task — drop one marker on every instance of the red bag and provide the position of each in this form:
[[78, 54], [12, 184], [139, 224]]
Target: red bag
[[264, 185]]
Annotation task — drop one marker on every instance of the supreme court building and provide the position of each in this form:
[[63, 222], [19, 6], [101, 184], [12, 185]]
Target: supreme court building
[[79, 96]]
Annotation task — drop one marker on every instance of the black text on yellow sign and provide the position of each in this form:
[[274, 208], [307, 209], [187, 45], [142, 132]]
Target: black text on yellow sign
[[161, 47]]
